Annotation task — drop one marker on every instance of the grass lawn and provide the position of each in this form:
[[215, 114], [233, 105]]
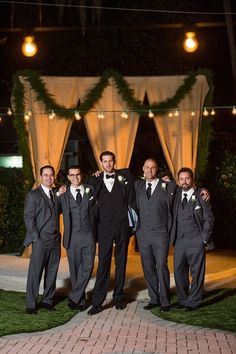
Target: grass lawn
[[218, 310], [15, 320]]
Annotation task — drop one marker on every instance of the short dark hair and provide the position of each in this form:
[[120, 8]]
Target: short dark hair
[[74, 167], [46, 166], [186, 169], [109, 153]]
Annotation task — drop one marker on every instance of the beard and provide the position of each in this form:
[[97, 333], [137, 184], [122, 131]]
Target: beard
[[186, 187]]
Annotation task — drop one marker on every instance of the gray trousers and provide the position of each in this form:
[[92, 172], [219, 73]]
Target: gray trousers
[[81, 260], [153, 247], [45, 257]]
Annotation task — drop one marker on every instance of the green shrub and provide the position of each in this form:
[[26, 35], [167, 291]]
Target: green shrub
[[12, 196]]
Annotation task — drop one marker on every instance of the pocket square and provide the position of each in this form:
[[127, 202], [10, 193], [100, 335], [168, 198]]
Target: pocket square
[[91, 198], [197, 207]]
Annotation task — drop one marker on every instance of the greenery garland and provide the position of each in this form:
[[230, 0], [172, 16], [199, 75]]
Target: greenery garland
[[93, 96]]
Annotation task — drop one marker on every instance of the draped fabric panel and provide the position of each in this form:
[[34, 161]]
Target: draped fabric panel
[[178, 134], [113, 132], [48, 138]]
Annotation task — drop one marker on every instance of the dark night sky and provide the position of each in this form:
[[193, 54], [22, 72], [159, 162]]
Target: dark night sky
[[126, 41]]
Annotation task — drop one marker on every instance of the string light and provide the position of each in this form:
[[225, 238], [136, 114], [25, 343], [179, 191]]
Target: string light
[[52, 115], [176, 113], [192, 113], [0, 119], [150, 114], [100, 115], [124, 115], [9, 112], [213, 112], [170, 114], [77, 115], [205, 112], [26, 117], [234, 110]]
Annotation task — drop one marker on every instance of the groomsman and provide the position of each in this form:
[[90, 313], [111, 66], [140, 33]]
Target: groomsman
[[114, 190], [42, 231], [154, 199], [193, 222], [79, 211]]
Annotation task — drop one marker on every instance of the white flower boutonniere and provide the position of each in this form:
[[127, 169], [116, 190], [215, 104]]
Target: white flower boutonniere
[[163, 185], [87, 190], [122, 179], [193, 198]]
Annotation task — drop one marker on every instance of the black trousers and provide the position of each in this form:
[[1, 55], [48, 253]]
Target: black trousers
[[108, 235]]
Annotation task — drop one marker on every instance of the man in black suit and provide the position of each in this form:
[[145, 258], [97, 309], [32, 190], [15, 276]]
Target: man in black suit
[[78, 208], [154, 199], [193, 222], [115, 192], [42, 231]]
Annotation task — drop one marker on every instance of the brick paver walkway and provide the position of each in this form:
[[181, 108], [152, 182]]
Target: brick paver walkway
[[132, 330]]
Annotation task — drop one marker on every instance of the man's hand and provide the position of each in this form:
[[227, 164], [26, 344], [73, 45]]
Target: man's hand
[[205, 194], [62, 190], [166, 178], [97, 173]]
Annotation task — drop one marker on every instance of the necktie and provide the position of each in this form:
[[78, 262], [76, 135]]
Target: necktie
[[184, 201], [51, 195], [149, 190], [110, 176], [78, 196]]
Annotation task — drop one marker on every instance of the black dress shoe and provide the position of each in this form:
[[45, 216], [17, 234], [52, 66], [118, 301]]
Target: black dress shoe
[[191, 308], [81, 308], [120, 305], [31, 311], [46, 306], [179, 307], [94, 310], [165, 308], [150, 306], [72, 305]]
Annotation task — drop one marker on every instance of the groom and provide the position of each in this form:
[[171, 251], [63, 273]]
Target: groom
[[114, 191]]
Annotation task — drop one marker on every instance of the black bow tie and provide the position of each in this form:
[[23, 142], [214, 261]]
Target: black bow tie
[[110, 176]]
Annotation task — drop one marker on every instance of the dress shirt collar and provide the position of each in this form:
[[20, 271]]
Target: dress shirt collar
[[189, 193], [46, 190], [153, 183], [74, 192]]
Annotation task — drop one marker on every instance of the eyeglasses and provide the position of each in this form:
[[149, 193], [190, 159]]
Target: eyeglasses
[[72, 175]]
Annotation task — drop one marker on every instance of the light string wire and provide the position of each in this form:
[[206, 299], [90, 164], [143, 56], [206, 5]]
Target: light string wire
[[117, 8]]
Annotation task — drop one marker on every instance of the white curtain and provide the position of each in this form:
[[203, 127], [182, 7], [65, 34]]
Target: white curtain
[[113, 132], [178, 134], [48, 138]]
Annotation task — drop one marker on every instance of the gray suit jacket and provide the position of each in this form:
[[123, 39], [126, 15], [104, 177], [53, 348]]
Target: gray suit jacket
[[64, 206], [37, 212], [202, 215]]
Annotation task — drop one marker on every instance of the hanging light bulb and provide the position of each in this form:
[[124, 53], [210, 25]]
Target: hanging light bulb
[[26, 117], [51, 115], [77, 115], [205, 112], [150, 114], [170, 114], [0, 119], [176, 113], [192, 113], [212, 112], [190, 42], [9, 112], [124, 115], [100, 115], [234, 111], [29, 47]]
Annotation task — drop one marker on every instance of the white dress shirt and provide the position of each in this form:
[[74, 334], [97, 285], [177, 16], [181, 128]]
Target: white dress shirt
[[153, 183], [46, 190], [74, 191], [109, 182], [189, 194]]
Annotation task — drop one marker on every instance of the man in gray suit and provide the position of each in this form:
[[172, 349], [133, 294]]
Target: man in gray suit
[[191, 232], [79, 212], [42, 231], [154, 198]]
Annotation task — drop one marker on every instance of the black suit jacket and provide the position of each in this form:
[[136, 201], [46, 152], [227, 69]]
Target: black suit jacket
[[126, 182]]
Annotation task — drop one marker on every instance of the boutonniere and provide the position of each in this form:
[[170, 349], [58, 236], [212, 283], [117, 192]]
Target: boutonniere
[[193, 198], [87, 190], [122, 179], [163, 185]]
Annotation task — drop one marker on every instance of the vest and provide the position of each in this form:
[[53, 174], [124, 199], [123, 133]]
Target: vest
[[112, 206], [186, 225], [79, 215], [153, 212]]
